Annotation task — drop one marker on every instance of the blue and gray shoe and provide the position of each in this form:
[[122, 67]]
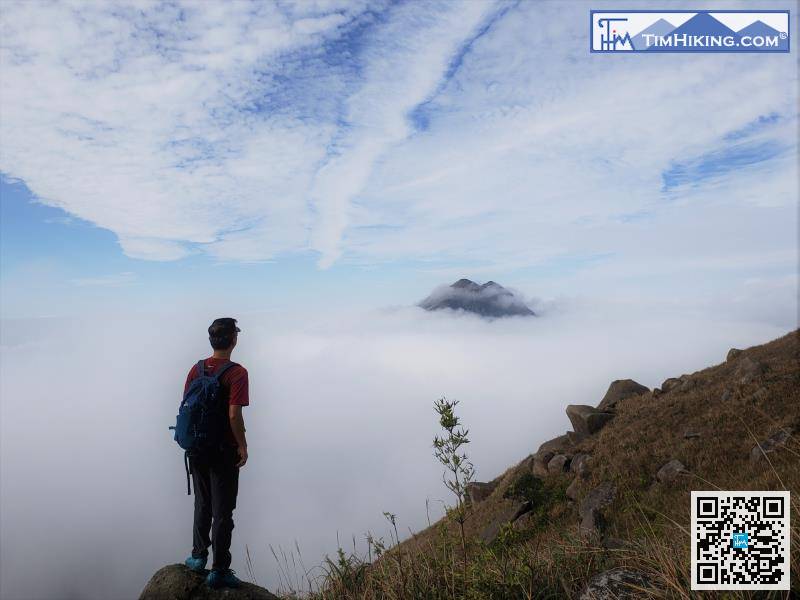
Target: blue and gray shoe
[[198, 565], [226, 578]]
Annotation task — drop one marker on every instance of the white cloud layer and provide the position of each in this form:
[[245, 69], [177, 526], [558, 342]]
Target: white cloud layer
[[339, 428], [439, 132]]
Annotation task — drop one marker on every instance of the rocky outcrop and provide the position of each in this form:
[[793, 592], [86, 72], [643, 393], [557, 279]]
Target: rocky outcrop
[[558, 464], [581, 465], [557, 445], [574, 490], [507, 516], [687, 383], [547, 451], [587, 420], [771, 444], [540, 462], [591, 507], [178, 582], [620, 390], [478, 491], [670, 384], [733, 354], [747, 370], [617, 584], [670, 471]]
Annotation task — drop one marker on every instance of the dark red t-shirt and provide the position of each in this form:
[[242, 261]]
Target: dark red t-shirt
[[234, 379]]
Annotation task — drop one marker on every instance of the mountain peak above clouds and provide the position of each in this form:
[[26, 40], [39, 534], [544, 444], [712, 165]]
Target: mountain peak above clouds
[[489, 300]]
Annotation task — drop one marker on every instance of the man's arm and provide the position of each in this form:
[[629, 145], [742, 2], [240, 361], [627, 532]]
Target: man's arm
[[237, 426]]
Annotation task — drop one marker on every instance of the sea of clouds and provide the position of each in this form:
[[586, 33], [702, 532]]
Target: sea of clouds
[[339, 428]]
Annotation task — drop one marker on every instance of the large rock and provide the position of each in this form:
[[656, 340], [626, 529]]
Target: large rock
[[617, 584], [670, 471], [772, 443], [581, 465], [574, 490], [558, 464], [670, 384], [478, 491], [687, 383], [558, 445], [575, 437], [178, 582], [747, 370], [619, 390], [590, 509], [540, 461], [587, 420], [733, 354], [547, 451], [506, 516]]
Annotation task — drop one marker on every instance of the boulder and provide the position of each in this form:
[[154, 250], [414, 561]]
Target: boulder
[[573, 491], [540, 462], [670, 471], [747, 370], [726, 395], [509, 514], [581, 465], [527, 463], [547, 451], [575, 437], [670, 384], [558, 464], [690, 435], [619, 390], [557, 445], [478, 491], [178, 582], [771, 444], [733, 353], [687, 383], [617, 584], [587, 420], [590, 509]]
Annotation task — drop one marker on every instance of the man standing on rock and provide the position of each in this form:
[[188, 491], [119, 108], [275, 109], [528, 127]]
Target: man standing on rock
[[216, 477]]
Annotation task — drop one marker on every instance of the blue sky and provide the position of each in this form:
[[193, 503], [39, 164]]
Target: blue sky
[[358, 154]]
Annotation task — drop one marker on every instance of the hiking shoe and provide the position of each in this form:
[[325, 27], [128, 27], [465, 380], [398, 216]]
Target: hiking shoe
[[198, 565], [226, 578]]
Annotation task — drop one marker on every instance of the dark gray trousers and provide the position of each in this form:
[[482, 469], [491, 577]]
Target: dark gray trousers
[[216, 484]]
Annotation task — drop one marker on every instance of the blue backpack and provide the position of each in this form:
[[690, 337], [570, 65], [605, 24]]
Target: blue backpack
[[202, 417]]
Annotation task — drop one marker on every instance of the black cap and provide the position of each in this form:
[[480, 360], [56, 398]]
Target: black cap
[[224, 327]]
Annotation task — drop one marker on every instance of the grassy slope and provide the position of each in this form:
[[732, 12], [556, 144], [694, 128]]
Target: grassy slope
[[647, 432], [546, 557]]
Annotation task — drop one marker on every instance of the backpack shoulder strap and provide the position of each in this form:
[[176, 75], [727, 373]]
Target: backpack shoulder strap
[[223, 368], [200, 368]]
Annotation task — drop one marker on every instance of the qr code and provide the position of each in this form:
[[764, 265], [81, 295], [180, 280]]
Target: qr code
[[740, 540]]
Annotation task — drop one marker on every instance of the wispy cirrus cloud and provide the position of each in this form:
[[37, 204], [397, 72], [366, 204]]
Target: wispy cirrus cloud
[[479, 134]]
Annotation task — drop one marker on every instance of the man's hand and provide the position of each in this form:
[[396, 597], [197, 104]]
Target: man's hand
[[242, 450], [237, 426]]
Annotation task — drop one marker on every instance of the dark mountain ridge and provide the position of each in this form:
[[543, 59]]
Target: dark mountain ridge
[[489, 300]]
